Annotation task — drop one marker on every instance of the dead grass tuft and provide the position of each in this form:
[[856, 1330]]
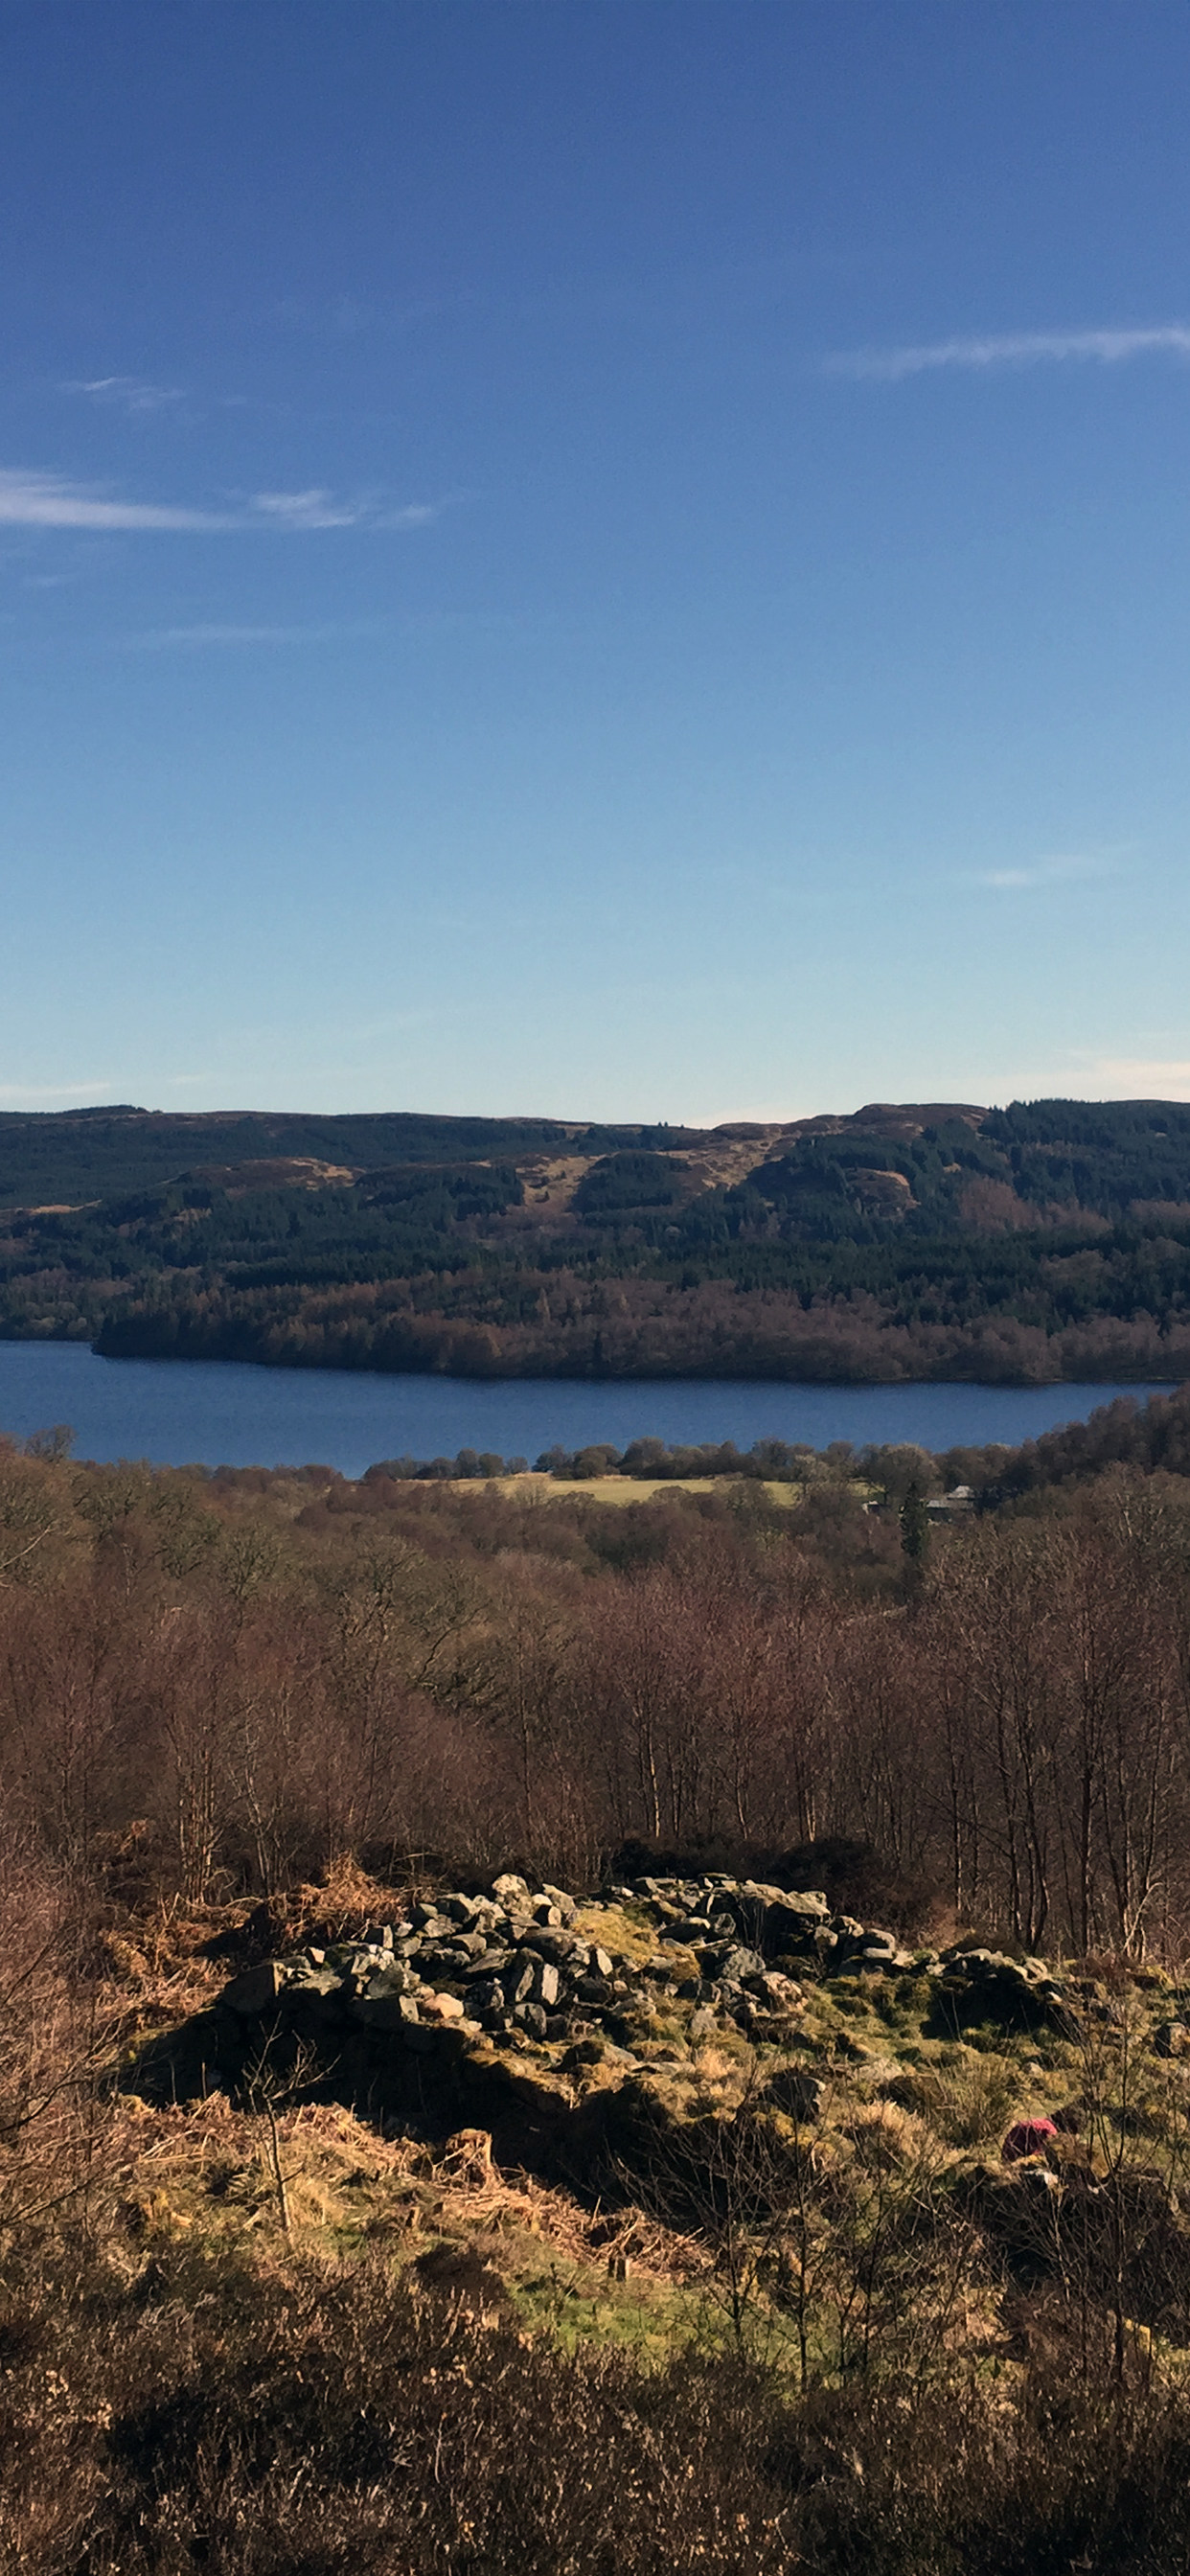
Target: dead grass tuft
[[969, 2102]]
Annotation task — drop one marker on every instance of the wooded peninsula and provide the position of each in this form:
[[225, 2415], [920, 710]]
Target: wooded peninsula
[[1049, 1240]]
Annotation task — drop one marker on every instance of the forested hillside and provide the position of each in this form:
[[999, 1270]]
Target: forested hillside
[[1047, 1240]]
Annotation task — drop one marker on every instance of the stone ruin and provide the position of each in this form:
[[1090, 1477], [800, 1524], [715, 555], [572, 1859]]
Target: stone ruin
[[547, 1997]]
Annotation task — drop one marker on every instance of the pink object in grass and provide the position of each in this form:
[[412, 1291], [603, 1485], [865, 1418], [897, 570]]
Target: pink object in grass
[[1027, 2138]]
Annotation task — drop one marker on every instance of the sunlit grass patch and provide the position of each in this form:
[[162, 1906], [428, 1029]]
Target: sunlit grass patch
[[628, 1930], [970, 2103]]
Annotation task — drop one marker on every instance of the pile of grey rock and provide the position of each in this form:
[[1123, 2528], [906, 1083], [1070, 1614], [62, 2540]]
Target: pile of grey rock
[[496, 1964], [1019, 1994], [777, 1922], [509, 1967]]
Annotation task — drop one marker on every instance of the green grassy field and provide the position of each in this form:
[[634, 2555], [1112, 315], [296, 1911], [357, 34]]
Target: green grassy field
[[627, 1489]]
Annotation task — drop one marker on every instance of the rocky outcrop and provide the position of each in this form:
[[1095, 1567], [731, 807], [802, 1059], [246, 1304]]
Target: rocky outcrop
[[584, 2034], [1017, 1994], [561, 1992], [511, 1966]]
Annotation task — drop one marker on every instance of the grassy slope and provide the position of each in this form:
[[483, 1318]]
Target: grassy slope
[[620, 1489], [925, 2106], [448, 2363]]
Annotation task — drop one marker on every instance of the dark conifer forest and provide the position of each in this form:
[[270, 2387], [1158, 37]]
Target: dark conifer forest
[[1044, 1241]]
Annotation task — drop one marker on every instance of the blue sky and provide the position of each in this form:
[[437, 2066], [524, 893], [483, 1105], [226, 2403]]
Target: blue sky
[[606, 557]]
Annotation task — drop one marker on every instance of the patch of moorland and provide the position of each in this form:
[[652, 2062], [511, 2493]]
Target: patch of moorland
[[781, 2303], [596, 2040]]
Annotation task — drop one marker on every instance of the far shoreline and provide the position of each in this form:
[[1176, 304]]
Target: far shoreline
[[294, 1365]]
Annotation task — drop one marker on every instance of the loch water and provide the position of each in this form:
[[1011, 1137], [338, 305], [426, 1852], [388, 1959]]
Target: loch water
[[228, 1413]]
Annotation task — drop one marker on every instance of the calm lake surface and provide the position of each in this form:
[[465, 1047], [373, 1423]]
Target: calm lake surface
[[225, 1413]]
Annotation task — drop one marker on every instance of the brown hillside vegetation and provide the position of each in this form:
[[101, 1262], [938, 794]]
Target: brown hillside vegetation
[[359, 2214]]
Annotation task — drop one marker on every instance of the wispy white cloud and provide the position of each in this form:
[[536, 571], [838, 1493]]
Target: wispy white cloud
[[313, 509], [36, 500], [320, 509], [1144, 1077], [980, 353], [161, 638], [344, 317], [19, 1092], [428, 624], [49, 501], [1059, 868], [134, 395], [128, 393]]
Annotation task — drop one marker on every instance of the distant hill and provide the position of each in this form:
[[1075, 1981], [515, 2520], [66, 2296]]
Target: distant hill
[[935, 1239], [55, 1155]]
